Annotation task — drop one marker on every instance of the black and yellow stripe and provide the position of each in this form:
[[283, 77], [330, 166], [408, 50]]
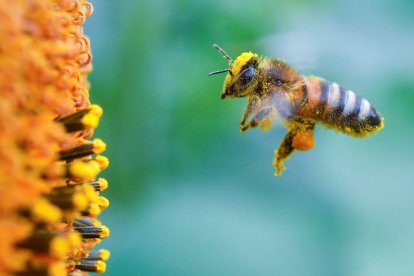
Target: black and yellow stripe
[[345, 111]]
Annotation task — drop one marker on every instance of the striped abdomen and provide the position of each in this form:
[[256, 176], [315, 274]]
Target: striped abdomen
[[335, 107]]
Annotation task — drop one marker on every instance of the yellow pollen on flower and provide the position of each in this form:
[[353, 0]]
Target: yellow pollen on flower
[[101, 254], [84, 170], [91, 119], [103, 162], [103, 202], [96, 110], [83, 119], [94, 210], [100, 185], [59, 246], [56, 269], [100, 267], [84, 150], [44, 211], [90, 192], [98, 146], [97, 266], [105, 232], [74, 239], [80, 201], [104, 254]]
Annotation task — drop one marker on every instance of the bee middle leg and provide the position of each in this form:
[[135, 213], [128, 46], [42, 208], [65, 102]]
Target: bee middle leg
[[262, 118]]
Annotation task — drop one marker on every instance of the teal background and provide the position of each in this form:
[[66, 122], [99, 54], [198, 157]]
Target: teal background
[[190, 195]]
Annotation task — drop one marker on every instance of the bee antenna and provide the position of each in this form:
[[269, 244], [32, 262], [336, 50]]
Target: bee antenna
[[218, 72], [218, 48]]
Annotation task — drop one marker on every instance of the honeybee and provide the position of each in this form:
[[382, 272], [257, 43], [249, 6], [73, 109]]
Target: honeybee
[[273, 87]]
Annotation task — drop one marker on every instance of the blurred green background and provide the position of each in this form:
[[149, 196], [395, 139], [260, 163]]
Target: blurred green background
[[190, 195]]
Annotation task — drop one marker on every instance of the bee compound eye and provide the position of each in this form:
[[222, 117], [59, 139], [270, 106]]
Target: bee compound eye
[[279, 82], [247, 76]]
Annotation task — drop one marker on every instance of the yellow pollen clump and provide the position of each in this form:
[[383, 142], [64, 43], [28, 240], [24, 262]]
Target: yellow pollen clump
[[96, 110], [103, 162], [80, 201], [90, 120], [84, 170], [103, 184], [90, 193], [105, 232], [241, 61], [104, 254], [103, 202], [94, 210], [100, 267]]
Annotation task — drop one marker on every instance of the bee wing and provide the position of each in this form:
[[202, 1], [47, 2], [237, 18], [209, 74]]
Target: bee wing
[[282, 103]]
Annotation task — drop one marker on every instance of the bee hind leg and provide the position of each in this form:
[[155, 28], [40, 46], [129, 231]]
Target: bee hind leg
[[283, 152], [303, 139], [299, 137], [262, 118]]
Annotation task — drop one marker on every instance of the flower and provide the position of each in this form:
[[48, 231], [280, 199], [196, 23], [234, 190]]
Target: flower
[[50, 193]]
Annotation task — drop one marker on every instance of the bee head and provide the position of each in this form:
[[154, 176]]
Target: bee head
[[240, 80]]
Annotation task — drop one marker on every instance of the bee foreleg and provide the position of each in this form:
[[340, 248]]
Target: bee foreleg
[[252, 102], [262, 118]]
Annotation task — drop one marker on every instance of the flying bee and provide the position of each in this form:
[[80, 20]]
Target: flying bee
[[273, 87]]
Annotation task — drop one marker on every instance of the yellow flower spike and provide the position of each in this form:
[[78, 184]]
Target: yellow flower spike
[[47, 120], [44, 211]]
